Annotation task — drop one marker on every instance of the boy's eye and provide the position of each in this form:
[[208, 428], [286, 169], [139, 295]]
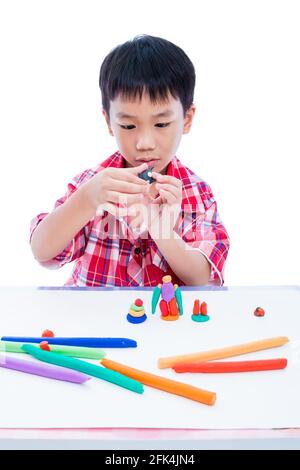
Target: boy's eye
[[162, 124], [129, 127]]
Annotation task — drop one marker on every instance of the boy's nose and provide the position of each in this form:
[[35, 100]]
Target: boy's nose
[[145, 142]]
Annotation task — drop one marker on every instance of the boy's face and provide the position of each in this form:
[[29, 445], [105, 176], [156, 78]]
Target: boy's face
[[148, 132]]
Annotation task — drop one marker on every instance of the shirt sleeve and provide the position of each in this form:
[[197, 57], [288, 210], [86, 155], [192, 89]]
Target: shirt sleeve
[[206, 233], [75, 247]]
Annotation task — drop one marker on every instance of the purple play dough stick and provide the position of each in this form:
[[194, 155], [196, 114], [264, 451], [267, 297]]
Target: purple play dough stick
[[45, 370]]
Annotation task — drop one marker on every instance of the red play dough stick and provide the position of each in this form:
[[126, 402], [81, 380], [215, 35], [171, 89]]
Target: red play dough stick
[[236, 366], [203, 308], [196, 308]]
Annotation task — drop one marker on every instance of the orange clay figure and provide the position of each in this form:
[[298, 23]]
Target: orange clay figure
[[137, 312], [200, 311], [171, 303]]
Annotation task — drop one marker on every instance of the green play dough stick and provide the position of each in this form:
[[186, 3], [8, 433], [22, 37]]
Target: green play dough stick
[[85, 367], [155, 298], [74, 351], [179, 300]]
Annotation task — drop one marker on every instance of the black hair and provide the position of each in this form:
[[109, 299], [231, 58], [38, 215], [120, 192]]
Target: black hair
[[147, 64]]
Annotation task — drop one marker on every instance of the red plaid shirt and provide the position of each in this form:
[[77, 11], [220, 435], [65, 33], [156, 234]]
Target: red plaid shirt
[[112, 260]]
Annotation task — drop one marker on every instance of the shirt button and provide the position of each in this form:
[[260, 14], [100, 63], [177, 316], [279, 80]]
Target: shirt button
[[137, 251]]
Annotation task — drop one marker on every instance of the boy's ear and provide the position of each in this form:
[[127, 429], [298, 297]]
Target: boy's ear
[[106, 117], [188, 119]]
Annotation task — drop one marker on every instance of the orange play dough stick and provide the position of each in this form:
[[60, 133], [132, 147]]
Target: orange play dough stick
[[168, 385], [237, 366], [222, 353]]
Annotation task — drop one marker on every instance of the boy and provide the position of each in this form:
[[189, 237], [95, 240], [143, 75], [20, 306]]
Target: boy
[[118, 228]]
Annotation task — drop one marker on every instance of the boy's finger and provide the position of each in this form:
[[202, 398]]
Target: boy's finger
[[169, 188], [135, 170], [168, 196], [127, 174], [167, 179], [122, 186], [123, 198], [153, 200]]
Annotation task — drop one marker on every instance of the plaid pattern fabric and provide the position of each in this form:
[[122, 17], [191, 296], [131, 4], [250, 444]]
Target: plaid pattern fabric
[[120, 258]]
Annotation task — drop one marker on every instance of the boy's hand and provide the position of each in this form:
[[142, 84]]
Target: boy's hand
[[169, 189], [112, 187], [159, 214], [163, 218]]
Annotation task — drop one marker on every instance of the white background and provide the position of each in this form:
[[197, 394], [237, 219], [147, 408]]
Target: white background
[[244, 141]]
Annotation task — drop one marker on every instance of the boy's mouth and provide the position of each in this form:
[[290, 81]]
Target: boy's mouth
[[150, 163]]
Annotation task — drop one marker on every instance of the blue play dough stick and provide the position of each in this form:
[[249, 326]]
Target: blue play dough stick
[[87, 342]]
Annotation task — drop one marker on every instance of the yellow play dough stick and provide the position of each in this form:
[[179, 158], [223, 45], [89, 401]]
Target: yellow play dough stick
[[222, 353]]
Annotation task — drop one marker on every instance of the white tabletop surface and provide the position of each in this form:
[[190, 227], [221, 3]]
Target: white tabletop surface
[[249, 405]]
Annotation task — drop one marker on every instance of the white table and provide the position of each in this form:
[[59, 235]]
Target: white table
[[30, 310]]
